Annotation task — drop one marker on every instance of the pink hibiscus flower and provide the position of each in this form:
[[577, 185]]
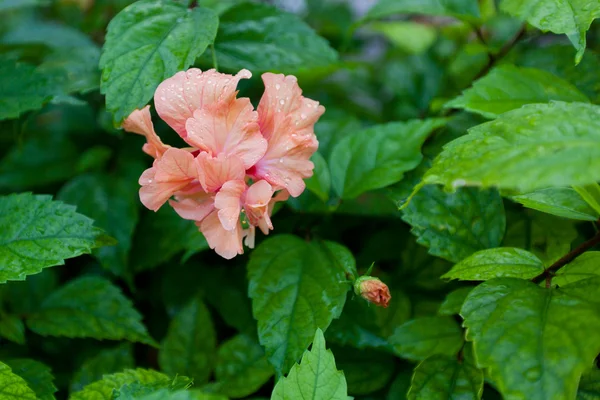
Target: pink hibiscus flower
[[240, 161]]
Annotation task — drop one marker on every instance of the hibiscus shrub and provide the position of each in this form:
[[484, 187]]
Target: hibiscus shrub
[[311, 199]]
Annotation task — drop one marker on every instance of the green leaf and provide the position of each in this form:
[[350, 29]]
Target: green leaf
[[137, 390], [12, 328], [37, 375], [455, 225], [552, 330], [242, 367], [508, 87], [36, 232], [585, 266], [412, 37], [572, 17], [320, 182], [50, 34], [89, 307], [502, 262], [190, 345], [261, 38], [107, 361], [113, 203], [562, 202], [465, 9], [23, 88], [6, 5], [103, 389], [146, 43], [590, 194], [295, 287], [166, 394], [378, 156], [12, 386], [454, 301], [76, 68], [420, 338], [589, 386], [533, 147], [366, 371], [446, 377], [315, 378]]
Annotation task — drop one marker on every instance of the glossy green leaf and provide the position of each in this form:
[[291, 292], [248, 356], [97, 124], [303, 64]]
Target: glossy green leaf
[[315, 378], [562, 202], [366, 371], [12, 328], [37, 375], [533, 147], [412, 37], [76, 68], [166, 394], [103, 389], [420, 338], [454, 301], [468, 9], [446, 377], [138, 390], [572, 17], [261, 38], [508, 87], [113, 203], [296, 287], [320, 182], [589, 386], [378, 156], [6, 5], [190, 345], [107, 361], [242, 367], [455, 225], [146, 43], [89, 307], [585, 266], [12, 386], [502, 262], [36, 232], [552, 330]]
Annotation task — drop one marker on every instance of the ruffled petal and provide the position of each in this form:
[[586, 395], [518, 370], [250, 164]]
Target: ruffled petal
[[256, 204], [178, 97], [194, 207], [226, 243], [213, 172], [230, 128], [140, 122], [229, 203], [249, 236]]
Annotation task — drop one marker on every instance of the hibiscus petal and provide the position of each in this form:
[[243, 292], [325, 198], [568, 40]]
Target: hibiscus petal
[[256, 203], [176, 165], [213, 172], [228, 127], [229, 203], [140, 122], [178, 97], [194, 207], [226, 243]]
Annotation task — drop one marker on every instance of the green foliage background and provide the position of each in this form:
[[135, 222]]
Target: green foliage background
[[460, 153]]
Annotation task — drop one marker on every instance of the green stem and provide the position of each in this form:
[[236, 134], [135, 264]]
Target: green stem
[[214, 57]]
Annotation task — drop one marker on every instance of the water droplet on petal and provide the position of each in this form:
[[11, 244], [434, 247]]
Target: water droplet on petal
[[282, 101], [303, 116], [277, 86], [163, 98], [281, 160]]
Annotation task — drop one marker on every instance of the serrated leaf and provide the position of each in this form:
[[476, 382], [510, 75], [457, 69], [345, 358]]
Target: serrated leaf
[[103, 389], [378, 156], [166, 394], [455, 225], [320, 182], [261, 38], [242, 367], [585, 266], [589, 386], [146, 43], [423, 337], [315, 378], [190, 345], [92, 307], [36, 232], [533, 147], [552, 330], [502, 262], [37, 375], [138, 390], [12, 328], [454, 301], [572, 17], [467, 9], [562, 202], [446, 377], [12, 386], [113, 203], [295, 287], [508, 87], [107, 361], [366, 371]]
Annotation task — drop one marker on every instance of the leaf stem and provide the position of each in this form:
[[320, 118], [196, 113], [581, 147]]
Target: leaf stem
[[494, 58], [548, 273], [214, 57]]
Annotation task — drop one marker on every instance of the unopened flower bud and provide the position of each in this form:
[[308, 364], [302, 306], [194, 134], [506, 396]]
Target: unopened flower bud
[[372, 290]]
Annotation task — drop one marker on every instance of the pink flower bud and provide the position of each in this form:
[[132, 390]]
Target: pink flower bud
[[373, 290]]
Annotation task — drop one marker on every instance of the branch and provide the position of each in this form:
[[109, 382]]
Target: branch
[[494, 58], [567, 258]]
